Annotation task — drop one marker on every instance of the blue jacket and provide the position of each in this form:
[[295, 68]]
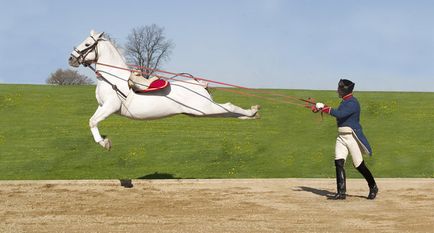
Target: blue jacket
[[348, 114]]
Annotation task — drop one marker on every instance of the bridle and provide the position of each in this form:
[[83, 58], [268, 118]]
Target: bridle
[[83, 53], [81, 60]]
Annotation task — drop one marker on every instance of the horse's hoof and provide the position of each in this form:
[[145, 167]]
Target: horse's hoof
[[106, 143], [256, 107], [257, 116]]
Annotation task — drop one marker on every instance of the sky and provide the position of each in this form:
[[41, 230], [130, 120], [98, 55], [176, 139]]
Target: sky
[[381, 45]]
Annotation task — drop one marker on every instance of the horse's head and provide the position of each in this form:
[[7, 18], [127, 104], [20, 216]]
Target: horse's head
[[86, 52]]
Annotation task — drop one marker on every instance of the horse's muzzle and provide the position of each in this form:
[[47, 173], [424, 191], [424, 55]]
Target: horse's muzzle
[[73, 61]]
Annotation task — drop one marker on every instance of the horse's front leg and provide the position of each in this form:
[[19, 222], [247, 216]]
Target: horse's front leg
[[101, 113]]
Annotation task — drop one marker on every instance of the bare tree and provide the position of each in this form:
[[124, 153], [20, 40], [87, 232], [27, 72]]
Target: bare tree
[[68, 77], [147, 46]]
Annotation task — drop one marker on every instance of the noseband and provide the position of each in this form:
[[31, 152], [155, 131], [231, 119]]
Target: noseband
[[83, 53]]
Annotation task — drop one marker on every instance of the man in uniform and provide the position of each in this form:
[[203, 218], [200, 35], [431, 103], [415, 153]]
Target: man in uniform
[[350, 138]]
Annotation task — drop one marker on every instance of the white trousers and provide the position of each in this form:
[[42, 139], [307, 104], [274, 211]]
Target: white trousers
[[347, 143]]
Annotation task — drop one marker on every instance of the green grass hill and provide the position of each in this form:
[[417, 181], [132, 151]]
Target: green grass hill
[[44, 134]]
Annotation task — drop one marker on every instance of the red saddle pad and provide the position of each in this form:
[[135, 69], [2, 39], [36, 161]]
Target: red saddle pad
[[156, 85]]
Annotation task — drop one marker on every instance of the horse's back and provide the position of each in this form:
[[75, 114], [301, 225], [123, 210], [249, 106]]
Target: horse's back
[[180, 97]]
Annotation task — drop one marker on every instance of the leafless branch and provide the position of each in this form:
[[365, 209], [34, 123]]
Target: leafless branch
[[147, 46]]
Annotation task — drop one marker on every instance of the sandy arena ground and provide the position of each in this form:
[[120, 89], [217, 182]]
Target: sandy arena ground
[[246, 205]]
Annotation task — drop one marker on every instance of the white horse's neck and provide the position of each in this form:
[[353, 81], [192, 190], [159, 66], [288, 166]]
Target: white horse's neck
[[108, 54]]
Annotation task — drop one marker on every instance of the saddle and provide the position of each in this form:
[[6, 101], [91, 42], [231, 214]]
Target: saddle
[[140, 84]]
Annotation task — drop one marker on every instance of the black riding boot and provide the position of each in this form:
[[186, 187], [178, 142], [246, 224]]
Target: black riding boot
[[340, 180], [373, 189]]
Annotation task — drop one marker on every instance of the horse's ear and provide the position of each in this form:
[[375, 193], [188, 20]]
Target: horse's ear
[[95, 34]]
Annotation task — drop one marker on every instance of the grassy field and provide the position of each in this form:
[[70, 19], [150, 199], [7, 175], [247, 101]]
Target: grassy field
[[44, 134]]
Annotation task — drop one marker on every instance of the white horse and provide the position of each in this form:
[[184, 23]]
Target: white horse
[[114, 96]]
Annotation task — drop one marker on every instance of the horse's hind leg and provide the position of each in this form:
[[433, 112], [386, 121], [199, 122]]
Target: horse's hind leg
[[101, 113], [255, 110], [230, 110]]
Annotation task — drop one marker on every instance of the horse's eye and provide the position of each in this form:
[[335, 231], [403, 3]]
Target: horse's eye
[[87, 45]]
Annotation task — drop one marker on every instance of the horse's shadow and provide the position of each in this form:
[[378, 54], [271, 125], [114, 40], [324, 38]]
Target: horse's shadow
[[128, 183], [323, 192], [157, 175]]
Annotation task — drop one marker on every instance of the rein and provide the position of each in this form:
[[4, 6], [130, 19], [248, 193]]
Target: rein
[[287, 99], [115, 88]]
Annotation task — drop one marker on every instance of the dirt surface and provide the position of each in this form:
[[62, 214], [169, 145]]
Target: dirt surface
[[246, 205]]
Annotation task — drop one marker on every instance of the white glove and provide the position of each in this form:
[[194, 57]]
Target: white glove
[[319, 106]]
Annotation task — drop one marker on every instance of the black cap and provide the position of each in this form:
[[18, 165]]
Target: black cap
[[345, 87]]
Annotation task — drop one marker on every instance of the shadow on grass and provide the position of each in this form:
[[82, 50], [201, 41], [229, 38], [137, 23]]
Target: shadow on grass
[[127, 183], [157, 175]]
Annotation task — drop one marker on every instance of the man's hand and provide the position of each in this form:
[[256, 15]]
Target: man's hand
[[319, 106], [314, 109]]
